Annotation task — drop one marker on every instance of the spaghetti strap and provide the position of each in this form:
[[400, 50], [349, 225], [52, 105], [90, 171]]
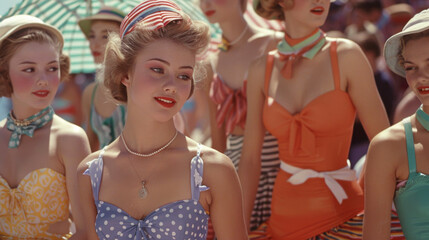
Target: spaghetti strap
[[334, 63], [269, 70], [197, 175], [95, 171], [410, 145]]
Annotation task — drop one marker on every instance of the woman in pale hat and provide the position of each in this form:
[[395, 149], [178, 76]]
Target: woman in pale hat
[[40, 151], [397, 164], [242, 43], [104, 119], [307, 93], [153, 182]]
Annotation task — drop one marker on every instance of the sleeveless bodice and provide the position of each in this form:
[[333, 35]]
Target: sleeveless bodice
[[412, 200], [315, 189], [28, 210], [183, 219], [231, 104], [109, 128]]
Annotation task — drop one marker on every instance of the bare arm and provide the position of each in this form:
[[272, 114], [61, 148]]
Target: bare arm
[[226, 209], [362, 88], [71, 157], [86, 110], [217, 133], [249, 168], [380, 178], [87, 201]]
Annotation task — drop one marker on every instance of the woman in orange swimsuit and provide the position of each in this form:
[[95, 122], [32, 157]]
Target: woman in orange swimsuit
[[40, 151], [306, 93]]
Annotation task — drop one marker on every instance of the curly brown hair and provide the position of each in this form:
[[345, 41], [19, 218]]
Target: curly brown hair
[[271, 9], [121, 54], [11, 44]]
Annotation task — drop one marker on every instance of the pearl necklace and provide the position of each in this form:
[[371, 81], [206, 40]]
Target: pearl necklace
[[148, 154]]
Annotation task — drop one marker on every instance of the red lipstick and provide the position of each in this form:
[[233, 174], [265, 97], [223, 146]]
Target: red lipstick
[[41, 93], [96, 54], [423, 90], [317, 10], [166, 101], [209, 13]]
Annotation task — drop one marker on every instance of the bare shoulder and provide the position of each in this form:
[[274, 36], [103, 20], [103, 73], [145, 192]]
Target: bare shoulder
[[83, 165], [215, 163], [67, 130], [344, 45], [389, 143], [89, 89], [72, 141]]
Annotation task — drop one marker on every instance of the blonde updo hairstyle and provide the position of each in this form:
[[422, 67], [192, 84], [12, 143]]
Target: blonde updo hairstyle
[[271, 9], [121, 54], [16, 40]]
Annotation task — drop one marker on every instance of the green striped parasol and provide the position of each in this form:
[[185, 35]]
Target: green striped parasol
[[64, 14]]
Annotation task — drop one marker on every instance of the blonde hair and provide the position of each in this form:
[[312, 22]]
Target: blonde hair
[[121, 54], [405, 39], [271, 9], [11, 44]]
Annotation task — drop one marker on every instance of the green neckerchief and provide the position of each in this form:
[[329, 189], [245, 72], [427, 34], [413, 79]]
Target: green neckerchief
[[307, 47], [28, 125], [422, 117]]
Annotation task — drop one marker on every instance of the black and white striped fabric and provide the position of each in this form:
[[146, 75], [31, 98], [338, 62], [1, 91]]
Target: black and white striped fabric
[[270, 164]]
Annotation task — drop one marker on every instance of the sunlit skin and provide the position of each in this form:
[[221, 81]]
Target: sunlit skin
[[216, 10], [160, 81], [158, 84], [35, 76], [307, 16], [34, 72], [98, 37], [311, 79], [416, 64], [387, 159]]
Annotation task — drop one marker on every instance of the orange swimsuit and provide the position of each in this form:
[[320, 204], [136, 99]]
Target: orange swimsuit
[[312, 143], [26, 212]]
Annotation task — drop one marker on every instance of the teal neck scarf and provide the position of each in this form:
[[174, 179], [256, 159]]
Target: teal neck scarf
[[290, 49], [423, 118], [28, 125]]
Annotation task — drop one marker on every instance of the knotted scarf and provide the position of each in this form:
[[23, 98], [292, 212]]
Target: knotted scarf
[[28, 125], [290, 49]]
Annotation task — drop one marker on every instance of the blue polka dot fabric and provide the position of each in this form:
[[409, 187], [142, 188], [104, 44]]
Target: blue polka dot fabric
[[183, 219]]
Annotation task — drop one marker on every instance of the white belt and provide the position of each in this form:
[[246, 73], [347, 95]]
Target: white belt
[[300, 175]]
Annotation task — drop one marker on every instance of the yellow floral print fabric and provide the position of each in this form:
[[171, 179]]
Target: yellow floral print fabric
[[39, 200]]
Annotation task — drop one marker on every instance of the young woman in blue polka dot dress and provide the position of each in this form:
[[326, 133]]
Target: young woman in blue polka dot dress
[[153, 182]]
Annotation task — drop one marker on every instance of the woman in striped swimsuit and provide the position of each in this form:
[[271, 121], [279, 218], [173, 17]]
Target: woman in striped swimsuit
[[241, 44]]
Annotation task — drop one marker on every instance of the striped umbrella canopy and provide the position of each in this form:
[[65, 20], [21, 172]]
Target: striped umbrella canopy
[[64, 14]]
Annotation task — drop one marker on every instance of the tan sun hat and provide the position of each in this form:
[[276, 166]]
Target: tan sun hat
[[12, 24], [106, 13], [418, 23]]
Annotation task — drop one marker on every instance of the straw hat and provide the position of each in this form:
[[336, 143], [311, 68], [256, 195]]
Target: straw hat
[[419, 23], [12, 24], [106, 13]]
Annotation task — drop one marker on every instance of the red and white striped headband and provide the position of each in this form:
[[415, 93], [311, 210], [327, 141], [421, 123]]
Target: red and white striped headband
[[154, 14]]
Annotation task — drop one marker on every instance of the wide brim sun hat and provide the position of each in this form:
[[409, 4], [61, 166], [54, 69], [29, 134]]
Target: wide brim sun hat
[[15, 23], [418, 23], [256, 4], [106, 13]]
